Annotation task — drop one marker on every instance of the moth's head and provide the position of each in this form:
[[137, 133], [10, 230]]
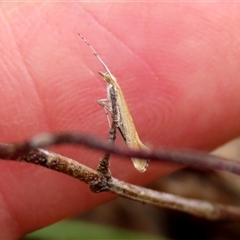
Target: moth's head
[[108, 78]]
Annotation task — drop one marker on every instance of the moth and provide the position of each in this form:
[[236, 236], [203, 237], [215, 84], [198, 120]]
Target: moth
[[123, 116]]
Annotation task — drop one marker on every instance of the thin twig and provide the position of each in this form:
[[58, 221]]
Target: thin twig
[[199, 208], [99, 183], [196, 159]]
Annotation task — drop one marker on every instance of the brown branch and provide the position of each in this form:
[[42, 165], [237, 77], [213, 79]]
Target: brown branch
[[196, 159], [99, 182], [199, 208]]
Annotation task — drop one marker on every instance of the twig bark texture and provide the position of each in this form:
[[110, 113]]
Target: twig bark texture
[[101, 179]]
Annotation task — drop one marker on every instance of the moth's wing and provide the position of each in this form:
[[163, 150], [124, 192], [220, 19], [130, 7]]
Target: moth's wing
[[140, 164]]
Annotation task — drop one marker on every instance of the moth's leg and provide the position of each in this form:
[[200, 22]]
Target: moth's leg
[[105, 104]]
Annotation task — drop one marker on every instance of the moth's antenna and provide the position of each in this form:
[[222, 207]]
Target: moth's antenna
[[97, 56]]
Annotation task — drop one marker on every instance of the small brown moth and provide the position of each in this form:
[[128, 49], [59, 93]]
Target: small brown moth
[[123, 116]]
